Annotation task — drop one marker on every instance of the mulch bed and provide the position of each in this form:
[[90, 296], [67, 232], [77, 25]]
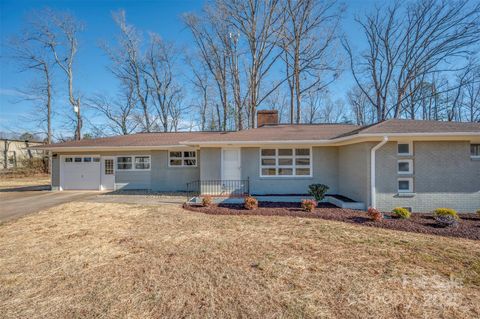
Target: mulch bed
[[469, 225]]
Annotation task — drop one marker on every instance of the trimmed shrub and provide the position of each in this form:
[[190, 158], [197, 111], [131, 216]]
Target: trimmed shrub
[[309, 205], [478, 212], [374, 214], [446, 220], [318, 191], [250, 203], [207, 201], [401, 212], [446, 212]]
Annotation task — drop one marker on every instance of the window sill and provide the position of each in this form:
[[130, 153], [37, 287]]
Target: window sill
[[475, 158], [406, 194], [285, 177], [186, 166]]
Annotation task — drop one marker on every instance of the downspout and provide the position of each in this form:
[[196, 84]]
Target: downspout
[[373, 189]]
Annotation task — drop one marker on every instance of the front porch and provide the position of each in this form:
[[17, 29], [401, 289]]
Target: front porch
[[234, 192]]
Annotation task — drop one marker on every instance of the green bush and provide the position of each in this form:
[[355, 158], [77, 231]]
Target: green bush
[[318, 191], [478, 212], [446, 212], [401, 212]]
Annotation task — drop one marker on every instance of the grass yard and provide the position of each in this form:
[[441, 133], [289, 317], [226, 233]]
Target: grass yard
[[118, 260], [16, 181]]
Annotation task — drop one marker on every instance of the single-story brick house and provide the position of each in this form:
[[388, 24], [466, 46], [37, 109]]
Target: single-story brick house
[[416, 164]]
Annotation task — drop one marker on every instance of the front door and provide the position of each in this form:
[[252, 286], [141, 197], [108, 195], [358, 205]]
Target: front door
[[108, 173], [231, 165]]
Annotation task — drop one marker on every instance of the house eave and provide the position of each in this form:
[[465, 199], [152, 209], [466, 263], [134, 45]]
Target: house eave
[[352, 139], [470, 136], [59, 149]]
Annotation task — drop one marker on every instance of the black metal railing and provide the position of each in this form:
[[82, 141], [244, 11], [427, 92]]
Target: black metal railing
[[223, 188]]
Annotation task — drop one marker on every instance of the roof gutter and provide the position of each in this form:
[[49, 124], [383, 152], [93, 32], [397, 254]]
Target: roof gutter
[[373, 189], [334, 141]]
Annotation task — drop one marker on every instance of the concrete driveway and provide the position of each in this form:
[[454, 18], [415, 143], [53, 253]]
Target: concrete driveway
[[20, 201]]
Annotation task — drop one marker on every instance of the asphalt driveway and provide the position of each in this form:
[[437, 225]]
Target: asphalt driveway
[[20, 201]]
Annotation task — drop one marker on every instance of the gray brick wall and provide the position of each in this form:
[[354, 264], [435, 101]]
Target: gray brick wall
[[444, 175], [324, 164]]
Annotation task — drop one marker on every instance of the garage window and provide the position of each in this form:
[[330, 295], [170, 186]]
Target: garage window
[[124, 162], [87, 159], [139, 163], [68, 159], [78, 159]]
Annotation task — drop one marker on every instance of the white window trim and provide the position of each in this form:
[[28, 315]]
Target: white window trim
[[64, 157], [293, 166], [410, 183], [183, 158], [410, 148], [133, 163], [473, 156], [410, 167]]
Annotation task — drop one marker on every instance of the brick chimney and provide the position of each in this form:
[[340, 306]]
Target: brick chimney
[[267, 117]]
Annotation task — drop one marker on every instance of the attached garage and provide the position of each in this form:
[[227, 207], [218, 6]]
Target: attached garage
[[86, 172], [80, 172]]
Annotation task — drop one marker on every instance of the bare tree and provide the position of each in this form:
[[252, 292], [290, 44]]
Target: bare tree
[[308, 40], [471, 101], [360, 106], [119, 113], [29, 52], [236, 80], [166, 93], [321, 109], [128, 64], [211, 34], [257, 21], [406, 42], [58, 33], [278, 101], [201, 85]]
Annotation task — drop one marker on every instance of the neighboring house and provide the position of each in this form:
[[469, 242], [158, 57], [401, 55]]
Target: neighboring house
[[417, 164], [14, 152]]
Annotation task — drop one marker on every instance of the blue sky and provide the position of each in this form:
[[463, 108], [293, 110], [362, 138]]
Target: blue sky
[[92, 76]]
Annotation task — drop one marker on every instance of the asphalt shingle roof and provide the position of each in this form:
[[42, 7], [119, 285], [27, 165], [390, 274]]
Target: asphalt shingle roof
[[281, 132]]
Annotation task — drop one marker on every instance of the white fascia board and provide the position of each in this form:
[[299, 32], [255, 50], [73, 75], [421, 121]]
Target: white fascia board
[[109, 148]]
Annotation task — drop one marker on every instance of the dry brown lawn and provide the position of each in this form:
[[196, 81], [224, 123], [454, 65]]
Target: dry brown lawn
[[10, 182], [109, 260]]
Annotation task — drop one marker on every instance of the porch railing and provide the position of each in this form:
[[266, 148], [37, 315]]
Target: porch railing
[[221, 188]]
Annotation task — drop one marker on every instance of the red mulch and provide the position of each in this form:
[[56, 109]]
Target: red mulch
[[469, 225]]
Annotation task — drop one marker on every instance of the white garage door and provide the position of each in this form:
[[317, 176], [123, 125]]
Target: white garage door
[[80, 172]]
